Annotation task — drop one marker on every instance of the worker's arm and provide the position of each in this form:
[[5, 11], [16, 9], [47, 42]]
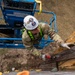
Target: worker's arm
[[49, 31], [54, 36]]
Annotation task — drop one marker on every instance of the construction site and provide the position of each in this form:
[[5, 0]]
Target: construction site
[[14, 58]]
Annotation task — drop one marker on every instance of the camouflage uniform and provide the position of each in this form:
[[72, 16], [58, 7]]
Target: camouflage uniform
[[47, 31]]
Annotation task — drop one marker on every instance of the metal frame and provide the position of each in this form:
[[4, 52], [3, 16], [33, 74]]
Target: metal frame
[[17, 31]]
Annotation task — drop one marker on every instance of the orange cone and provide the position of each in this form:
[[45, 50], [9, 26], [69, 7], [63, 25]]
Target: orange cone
[[23, 73]]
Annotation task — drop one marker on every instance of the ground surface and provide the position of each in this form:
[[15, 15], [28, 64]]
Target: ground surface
[[20, 58], [45, 73]]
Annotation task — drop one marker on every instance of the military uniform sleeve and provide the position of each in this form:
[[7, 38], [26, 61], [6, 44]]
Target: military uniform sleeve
[[53, 35]]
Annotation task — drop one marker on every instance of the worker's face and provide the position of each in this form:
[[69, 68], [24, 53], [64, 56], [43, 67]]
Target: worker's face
[[35, 31]]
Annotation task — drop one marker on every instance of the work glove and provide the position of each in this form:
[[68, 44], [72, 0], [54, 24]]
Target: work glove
[[66, 45], [45, 56]]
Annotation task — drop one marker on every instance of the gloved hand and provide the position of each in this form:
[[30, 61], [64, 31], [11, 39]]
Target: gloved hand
[[66, 45], [45, 56]]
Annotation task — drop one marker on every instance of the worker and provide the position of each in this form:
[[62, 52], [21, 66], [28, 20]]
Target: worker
[[36, 35]]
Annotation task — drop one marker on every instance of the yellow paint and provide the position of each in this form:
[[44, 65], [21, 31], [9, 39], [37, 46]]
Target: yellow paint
[[68, 64], [6, 72], [71, 38], [0, 73], [38, 1], [38, 70]]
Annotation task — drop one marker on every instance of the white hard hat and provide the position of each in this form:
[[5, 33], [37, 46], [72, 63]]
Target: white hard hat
[[30, 22]]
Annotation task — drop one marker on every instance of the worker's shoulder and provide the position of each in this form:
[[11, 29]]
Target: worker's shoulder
[[43, 24]]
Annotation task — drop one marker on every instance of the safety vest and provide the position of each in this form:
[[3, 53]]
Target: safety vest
[[43, 43], [31, 35]]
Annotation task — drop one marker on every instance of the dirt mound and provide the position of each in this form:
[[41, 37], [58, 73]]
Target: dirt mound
[[22, 59]]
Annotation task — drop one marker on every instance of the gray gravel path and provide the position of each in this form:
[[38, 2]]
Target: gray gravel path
[[44, 73]]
